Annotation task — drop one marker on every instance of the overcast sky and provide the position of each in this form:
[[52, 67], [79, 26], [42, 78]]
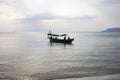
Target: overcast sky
[[59, 15]]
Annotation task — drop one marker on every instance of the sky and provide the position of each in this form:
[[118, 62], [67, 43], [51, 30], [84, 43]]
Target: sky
[[58, 15]]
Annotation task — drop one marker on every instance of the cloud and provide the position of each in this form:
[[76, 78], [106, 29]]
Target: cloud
[[38, 15], [41, 17], [109, 12], [106, 2]]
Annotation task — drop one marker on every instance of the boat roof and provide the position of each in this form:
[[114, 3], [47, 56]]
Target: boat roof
[[63, 35], [58, 35]]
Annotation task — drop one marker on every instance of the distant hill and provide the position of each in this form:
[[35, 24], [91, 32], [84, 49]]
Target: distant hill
[[112, 30]]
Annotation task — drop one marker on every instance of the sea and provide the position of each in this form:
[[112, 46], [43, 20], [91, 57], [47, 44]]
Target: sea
[[30, 56]]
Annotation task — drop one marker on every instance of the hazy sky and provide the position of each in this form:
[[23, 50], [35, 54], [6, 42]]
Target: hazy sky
[[59, 15]]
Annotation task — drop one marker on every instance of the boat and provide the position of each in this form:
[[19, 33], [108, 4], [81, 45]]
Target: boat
[[55, 38]]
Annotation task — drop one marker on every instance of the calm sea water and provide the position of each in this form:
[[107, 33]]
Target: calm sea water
[[30, 56]]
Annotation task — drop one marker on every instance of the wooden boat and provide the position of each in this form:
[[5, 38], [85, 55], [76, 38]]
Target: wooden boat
[[55, 38]]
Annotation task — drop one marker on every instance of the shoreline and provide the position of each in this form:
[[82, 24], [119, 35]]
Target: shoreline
[[105, 77]]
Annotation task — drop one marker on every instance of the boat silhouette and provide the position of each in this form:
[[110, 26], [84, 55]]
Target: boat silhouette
[[55, 38]]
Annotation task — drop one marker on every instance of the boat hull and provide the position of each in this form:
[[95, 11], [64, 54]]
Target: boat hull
[[61, 40]]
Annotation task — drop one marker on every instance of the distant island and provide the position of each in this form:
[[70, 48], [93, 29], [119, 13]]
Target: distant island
[[112, 30]]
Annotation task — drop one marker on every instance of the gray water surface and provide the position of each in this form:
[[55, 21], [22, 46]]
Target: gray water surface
[[30, 56]]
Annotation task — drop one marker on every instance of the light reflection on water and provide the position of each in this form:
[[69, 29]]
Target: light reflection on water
[[31, 56]]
